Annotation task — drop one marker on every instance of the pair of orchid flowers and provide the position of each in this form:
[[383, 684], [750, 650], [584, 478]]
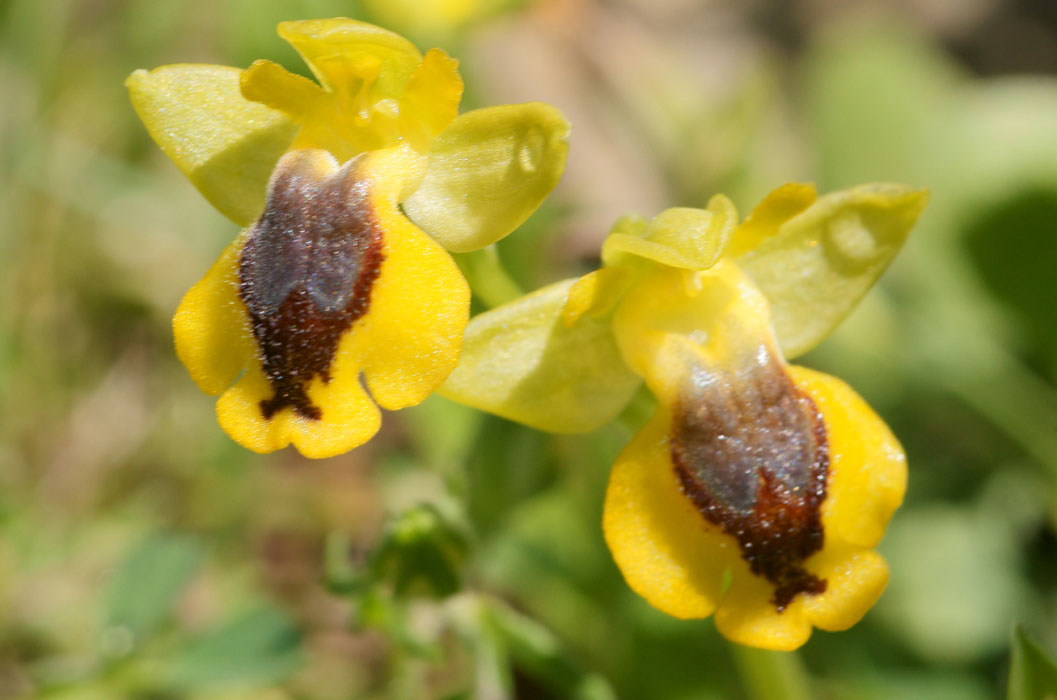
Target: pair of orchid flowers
[[758, 489]]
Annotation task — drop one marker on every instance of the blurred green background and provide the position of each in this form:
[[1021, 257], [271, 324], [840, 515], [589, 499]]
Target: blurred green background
[[144, 555]]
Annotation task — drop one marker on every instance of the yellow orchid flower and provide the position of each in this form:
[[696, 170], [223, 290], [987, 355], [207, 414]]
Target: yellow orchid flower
[[758, 489], [338, 184]]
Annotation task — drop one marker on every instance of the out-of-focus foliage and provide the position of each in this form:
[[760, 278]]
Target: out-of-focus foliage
[[144, 555], [1031, 673]]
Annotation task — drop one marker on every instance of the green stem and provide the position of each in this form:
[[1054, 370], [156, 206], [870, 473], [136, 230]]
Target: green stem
[[771, 675], [488, 279]]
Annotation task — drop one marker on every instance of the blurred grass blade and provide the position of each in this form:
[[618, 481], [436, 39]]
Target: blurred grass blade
[[148, 582], [537, 651], [258, 648], [1032, 675]]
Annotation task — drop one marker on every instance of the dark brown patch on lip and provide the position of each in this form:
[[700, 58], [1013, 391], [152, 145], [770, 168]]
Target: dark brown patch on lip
[[750, 452], [305, 275]]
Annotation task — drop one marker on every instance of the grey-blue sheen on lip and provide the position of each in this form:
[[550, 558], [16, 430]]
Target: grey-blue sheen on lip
[[750, 452], [306, 272]]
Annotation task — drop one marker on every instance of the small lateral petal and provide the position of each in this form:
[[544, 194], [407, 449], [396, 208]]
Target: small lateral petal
[[488, 172], [685, 238], [823, 260], [335, 48], [224, 143], [700, 241], [210, 327], [522, 362], [272, 85], [764, 221], [596, 293], [431, 98]]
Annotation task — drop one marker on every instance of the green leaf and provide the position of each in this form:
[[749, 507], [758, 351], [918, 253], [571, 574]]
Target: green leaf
[[1032, 675], [226, 145], [823, 260], [258, 648], [488, 171], [520, 361], [148, 582]]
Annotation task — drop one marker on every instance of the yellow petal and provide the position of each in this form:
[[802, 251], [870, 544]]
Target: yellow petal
[[820, 262], [691, 239], [215, 342], [672, 556], [431, 98], [747, 615], [595, 293], [666, 551], [522, 362], [336, 49], [225, 144], [707, 352], [488, 171], [420, 303], [211, 328], [764, 221], [364, 71], [271, 84], [350, 417], [405, 343], [868, 471], [855, 579]]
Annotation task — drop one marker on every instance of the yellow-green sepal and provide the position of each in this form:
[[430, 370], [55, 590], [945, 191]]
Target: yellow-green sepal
[[820, 262], [524, 362], [690, 239], [225, 144], [488, 171]]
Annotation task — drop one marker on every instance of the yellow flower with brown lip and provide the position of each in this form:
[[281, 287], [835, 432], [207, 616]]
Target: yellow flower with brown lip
[[758, 490], [338, 183]]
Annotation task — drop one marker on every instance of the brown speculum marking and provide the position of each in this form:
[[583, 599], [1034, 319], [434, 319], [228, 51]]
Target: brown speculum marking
[[305, 275], [749, 449]]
